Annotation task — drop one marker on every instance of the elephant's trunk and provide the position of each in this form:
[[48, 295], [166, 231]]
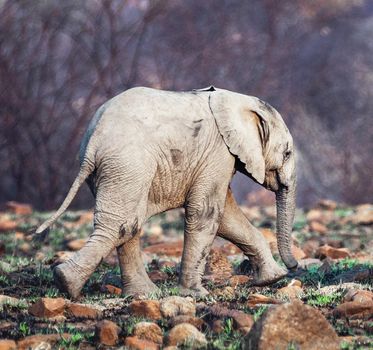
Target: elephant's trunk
[[285, 203]]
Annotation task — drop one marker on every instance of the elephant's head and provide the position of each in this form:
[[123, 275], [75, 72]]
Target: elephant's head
[[256, 134]]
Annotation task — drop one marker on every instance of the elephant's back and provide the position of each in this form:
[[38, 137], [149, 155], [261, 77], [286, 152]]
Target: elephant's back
[[152, 107], [144, 114]]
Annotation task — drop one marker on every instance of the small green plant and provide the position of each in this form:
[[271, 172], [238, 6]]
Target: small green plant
[[52, 292], [175, 290], [74, 339], [343, 212], [292, 346], [168, 269], [227, 340], [44, 274], [314, 276], [4, 281], [24, 329], [228, 326], [346, 345], [344, 264], [314, 298], [260, 312]]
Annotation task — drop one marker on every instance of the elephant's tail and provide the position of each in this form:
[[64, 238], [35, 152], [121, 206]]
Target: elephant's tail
[[85, 170]]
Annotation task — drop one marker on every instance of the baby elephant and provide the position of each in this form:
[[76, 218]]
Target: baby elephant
[[147, 151]]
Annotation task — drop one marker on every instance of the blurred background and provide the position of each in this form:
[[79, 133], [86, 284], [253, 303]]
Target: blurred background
[[312, 60]]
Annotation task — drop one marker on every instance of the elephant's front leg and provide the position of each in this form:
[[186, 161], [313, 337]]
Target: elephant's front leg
[[236, 228], [201, 224], [135, 280]]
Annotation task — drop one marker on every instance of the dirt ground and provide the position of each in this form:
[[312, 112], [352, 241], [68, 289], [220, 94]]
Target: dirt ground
[[334, 244]]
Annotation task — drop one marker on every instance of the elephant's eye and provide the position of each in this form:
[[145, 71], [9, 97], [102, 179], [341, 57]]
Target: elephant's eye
[[287, 155]]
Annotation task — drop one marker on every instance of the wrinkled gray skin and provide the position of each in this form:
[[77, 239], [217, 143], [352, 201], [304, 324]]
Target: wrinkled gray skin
[[147, 151]]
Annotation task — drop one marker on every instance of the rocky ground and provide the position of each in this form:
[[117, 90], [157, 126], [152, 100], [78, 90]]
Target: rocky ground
[[328, 304]]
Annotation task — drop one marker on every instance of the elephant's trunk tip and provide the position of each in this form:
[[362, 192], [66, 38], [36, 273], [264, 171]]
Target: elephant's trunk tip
[[291, 263]]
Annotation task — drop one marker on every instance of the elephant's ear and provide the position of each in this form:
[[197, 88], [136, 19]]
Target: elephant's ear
[[242, 122]]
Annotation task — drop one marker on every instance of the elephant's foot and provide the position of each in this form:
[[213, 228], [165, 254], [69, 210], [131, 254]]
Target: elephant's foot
[[140, 289], [197, 293], [67, 280], [268, 274]]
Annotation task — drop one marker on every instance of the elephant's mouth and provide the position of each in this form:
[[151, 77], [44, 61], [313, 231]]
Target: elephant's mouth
[[272, 180]]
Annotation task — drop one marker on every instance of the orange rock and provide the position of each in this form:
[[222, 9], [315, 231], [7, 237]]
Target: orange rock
[[175, 305], [19, 208], [107, 332], [146, 308], [168, 249], [242, 321], [7, 224], [238, 280], [149, 331], [195, 321], [359, 295], [289, 292], [82, 311], [76, 244], [7, 344], [354, 310], [316, 226], [39, 341], [255, 299], [48, 307], [135, 343], [327, 251], [292, 323], [112, 289], [185, 333]]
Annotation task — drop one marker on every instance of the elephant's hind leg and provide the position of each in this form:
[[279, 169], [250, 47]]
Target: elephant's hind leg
[[135, 280], [121, 205], [236, 228], [71, 275]]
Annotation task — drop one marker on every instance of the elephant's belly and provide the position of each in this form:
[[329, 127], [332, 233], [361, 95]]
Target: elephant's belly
[[169, 187]]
